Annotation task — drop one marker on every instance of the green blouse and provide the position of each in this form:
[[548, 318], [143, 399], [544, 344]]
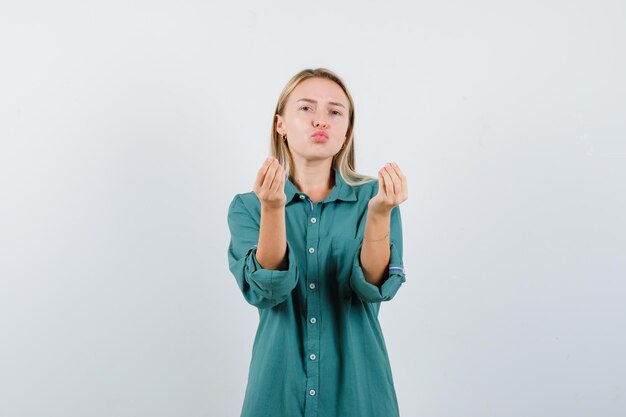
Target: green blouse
[[319, 350]]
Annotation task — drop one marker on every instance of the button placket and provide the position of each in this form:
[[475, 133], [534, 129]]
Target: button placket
[[313, 308]]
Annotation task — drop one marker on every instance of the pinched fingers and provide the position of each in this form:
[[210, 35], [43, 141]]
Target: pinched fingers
[[393, 183], [272, 175], [269, 184], [279, 180], [404, 188], [394, 176], [260, 176]]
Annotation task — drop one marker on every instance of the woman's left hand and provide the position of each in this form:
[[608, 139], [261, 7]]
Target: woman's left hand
[[392, 189]]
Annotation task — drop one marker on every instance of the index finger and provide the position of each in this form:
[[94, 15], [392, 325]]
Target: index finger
[[397, 169], [263, 170]]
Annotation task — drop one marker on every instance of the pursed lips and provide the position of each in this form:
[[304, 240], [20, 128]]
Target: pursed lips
[[320, 134]]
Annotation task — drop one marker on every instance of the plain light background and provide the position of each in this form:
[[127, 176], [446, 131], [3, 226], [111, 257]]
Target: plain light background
[[127, 127]]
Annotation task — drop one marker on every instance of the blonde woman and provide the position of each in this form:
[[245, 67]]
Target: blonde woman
[[316, 247]]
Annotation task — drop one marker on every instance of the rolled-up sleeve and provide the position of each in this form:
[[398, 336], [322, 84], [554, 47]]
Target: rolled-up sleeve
[[395, 276], [263, 288]]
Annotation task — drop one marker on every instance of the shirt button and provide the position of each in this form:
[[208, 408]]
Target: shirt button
[[311, 250], [312, 356], [313, 219], [312, 286], [301, 197], [313, 320], [312, 392]]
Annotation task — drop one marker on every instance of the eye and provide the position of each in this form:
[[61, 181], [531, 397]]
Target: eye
[[337, 113], [305, 107]]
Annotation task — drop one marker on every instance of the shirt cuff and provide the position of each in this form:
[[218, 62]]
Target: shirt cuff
[[371, 293], [275, 285]]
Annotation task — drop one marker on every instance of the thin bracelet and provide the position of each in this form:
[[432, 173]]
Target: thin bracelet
[[376, 240]]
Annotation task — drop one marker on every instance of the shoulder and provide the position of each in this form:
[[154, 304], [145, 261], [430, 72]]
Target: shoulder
[[245, 201], [365, 191]]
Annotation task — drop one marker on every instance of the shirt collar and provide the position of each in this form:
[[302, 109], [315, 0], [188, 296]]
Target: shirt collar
[[341, 190]]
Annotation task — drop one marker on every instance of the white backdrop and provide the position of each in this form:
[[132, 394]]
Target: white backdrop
[[127, 127]]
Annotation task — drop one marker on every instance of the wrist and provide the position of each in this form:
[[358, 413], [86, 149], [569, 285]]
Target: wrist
[[378, 212], [272, 209]]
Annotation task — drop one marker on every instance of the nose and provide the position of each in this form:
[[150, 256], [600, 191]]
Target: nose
[[320, 123], [319, 120]]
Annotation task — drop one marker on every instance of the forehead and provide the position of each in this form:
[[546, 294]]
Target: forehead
[[319, 89]]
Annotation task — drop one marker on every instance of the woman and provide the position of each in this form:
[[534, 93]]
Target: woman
[[316, 247]]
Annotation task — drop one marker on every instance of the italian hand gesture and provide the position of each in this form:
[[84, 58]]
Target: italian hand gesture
[[269, 186], [392, 189]]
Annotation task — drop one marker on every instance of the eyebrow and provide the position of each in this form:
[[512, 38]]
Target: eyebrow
[[315, 102]]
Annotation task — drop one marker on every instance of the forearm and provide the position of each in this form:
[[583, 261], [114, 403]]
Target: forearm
[[375, 251], [272, 247]]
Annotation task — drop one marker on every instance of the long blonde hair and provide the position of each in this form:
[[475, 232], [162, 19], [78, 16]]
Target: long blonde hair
[[343, 161]]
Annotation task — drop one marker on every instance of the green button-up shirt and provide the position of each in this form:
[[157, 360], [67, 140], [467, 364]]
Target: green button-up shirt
[[319, 349]]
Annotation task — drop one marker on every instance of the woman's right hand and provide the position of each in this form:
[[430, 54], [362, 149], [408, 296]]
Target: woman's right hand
[[269, 186]]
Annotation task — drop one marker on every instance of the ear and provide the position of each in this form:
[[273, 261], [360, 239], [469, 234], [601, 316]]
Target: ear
[[280, 128]]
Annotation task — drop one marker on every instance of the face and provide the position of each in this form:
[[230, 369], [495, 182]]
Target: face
[[316, 105]]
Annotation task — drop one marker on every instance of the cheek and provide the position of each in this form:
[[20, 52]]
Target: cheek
[[343, 129], [299, 121]]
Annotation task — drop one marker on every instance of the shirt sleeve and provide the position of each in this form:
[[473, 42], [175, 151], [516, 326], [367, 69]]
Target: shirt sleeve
[[263, 288], [395, 276]]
